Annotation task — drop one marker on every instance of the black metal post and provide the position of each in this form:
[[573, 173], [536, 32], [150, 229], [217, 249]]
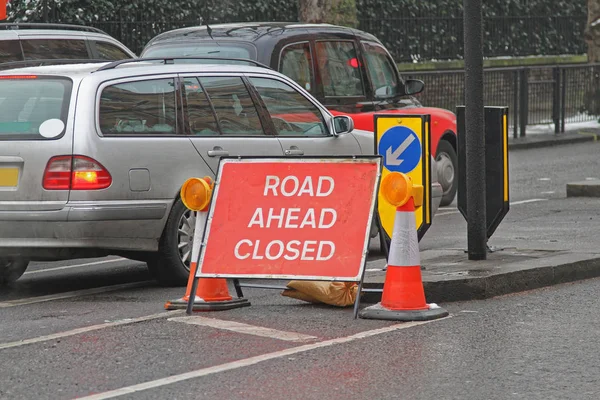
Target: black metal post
[[475, 131], [563, 101], [556, 99], [515, 112], [524, 106], [45, 10]]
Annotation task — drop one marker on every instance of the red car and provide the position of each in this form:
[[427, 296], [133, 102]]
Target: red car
[[347, 70]]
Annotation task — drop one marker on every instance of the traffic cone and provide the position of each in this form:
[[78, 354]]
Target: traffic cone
[[403, 297], [212, 294]]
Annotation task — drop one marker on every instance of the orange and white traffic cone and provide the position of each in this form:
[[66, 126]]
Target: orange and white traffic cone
[[212, 294], [403, 297]]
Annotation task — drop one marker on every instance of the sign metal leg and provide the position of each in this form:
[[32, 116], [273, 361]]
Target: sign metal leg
[[357, 300], [190, 305], [238, 288]]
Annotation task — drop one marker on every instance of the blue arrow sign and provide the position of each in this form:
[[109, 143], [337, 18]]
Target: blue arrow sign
[[400, 148]]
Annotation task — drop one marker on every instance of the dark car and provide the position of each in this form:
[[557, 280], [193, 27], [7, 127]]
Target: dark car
[[348, 70]]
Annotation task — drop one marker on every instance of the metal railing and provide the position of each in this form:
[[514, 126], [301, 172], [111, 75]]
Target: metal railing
[[555, 95]]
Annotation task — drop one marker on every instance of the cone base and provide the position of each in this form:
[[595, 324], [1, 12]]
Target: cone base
[[379, 312], [201, 305]]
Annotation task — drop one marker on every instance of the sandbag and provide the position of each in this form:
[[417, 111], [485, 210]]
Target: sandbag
[[340, 294]]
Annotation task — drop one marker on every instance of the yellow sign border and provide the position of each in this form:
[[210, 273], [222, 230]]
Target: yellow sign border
[[421, 174]]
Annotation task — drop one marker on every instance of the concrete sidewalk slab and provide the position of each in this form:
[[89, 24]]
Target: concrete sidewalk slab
[[449, 276], [584, 189], [547, 140], [538, 244]]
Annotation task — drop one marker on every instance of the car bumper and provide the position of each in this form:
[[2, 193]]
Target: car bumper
[[107, 225]]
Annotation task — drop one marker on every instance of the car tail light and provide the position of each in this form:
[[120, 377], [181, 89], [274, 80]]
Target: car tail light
[[57, 175], [75, 173]]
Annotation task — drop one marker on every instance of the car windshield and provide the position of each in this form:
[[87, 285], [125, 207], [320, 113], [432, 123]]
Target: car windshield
[[211, 49], [32, 107], [382, 71]]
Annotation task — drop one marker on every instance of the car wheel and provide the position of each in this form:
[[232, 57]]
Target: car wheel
[[12, 269], [447, 166], [171, 266]]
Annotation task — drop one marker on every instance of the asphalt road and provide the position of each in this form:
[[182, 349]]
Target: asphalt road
[[97, 325]]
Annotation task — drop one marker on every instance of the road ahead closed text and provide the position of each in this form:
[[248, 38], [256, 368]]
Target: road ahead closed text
[[291, 219]]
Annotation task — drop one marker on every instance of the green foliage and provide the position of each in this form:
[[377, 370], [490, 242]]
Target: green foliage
[[413, 30], [345, 14]]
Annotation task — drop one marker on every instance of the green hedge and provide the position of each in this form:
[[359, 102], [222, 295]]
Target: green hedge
[[413, 30]]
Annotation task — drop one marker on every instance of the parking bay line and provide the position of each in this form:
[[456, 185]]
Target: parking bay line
[[75, 293], [514, 203], [74, 266], [245, 328], [250, 361], [86, 329]]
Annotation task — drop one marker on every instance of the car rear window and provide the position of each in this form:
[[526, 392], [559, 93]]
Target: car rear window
[[33, 107], [10, 50], [42, 49]]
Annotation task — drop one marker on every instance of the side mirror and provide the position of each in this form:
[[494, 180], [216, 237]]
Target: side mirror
[[343, 124], [413, 86]]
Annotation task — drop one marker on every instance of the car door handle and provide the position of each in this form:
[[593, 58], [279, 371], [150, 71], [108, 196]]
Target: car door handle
[[294, 152], [217, 153]]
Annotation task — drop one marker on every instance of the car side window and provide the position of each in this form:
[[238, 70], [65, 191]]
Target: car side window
[[296, 63], [35, 49], [108, 51], [236, 113], [381, 70], [10, 50], [339, 69], [201, 120], [139, 108], [291, 112]]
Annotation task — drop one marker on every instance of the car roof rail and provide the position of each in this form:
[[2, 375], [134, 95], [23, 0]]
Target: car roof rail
[[166, 60], [40, 25], [51, 61]]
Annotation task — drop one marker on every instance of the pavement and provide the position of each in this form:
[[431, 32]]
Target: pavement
[[570, 136], [540, 243]]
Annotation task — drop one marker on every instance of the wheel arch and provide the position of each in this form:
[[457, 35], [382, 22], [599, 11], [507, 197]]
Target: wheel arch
[[450, 137]]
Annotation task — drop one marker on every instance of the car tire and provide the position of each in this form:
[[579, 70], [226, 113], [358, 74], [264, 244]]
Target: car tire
[[12, 269], [168, 267], [447, 168]]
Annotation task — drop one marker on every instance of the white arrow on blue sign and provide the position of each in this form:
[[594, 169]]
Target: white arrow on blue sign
[[401, 149]]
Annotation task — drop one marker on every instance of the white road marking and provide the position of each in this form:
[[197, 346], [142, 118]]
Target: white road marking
[[245, 328], [74, 266], [249, 361], [590, 179], [374, 269], [549, 192], [514, 203], [85, 329], [75, 293], [544, 179], [446, 213]]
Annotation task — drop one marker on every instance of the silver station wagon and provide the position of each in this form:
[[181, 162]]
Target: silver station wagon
[[92, 156]]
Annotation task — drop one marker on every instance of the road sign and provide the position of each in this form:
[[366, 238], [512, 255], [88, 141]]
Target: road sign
[[402, 149], [283, 218], [404, 141], [496, 165]]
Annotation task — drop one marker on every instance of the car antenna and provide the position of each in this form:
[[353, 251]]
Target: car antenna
[[208, 28]]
